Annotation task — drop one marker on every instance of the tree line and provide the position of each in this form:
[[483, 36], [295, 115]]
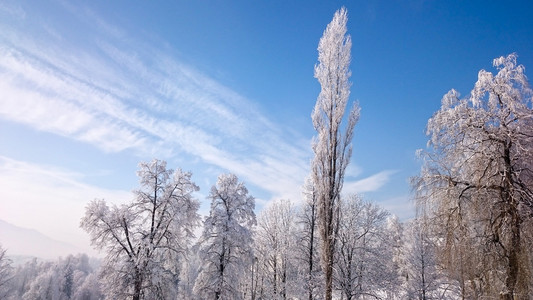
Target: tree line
[[471, 237], [271, 257]]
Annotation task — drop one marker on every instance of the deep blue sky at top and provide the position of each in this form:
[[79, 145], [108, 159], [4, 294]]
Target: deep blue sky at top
[[405, 56]]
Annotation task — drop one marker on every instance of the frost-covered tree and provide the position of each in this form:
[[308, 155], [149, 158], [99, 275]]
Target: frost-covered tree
[[332, 146], [421, 262], [189, 273], [145, 239], [477, 179], [6, 274], [307, 250], [364, 253], [395, 237], [70, 278], [226, 241], [23, 276], [274, 246], [89, 289], [46, 285]]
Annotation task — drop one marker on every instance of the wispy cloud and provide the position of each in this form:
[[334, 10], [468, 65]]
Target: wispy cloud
[[368, 184], [116, 92], [12, 9]]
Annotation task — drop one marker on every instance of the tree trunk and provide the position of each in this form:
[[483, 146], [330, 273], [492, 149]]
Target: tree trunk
[[311, 248], [137, 287], [328, 268], [275, 282], [514, 247], [284, 282], [221, 276], [329, 283], [512, 264]]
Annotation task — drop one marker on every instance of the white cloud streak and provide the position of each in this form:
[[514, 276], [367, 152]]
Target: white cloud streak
[[119, 94], [368, 184], [116, 92]]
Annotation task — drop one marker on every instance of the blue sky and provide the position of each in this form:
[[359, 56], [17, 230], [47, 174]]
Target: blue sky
[[88, 90]]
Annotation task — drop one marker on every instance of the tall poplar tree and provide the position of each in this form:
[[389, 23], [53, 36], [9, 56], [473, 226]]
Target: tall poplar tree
[[332, 146]]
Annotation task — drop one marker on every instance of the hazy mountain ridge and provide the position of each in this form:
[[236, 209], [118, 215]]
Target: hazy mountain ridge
[[21, 241]]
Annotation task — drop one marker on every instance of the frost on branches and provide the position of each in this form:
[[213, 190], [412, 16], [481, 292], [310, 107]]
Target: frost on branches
[[477, 179], [276, 261], [145, 239], [67, 278], [308, 242], [5, 274], [332, 147], [226, 242], [363, 263]]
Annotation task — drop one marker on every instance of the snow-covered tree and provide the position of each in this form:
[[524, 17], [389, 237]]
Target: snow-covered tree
[[477, 178], [6, 274], [70, 278], [46, 285], [226, 242], [145, 239], [189, 273], [363, 261], [421, 262], [307, 249], [332, 147], [89, 289], [23, 276], [274, 246], [395, 236]]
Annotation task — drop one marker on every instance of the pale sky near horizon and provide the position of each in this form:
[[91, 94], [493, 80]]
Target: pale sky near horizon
[[88, 90]]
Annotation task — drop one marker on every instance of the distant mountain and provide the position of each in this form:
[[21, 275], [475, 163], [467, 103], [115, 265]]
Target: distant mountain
[[29, 242]]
